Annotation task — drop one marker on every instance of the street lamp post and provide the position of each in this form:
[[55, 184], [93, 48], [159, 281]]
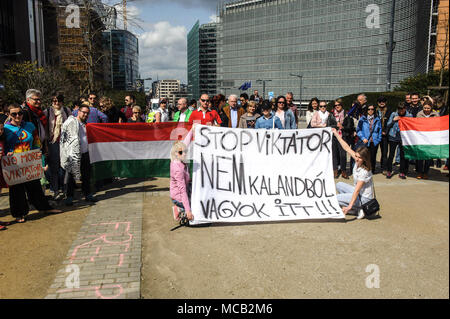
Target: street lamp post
[[301, 86], [264, 86]]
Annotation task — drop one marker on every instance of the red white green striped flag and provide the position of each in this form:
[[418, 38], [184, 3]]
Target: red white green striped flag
[[133, 149], [424, 138]]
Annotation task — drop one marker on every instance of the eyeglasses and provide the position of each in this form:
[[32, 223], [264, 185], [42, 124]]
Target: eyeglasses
[[323, 106], [16, 114], [338, 104], [85, 112], [35, 99], [371, 109], [92, 98]]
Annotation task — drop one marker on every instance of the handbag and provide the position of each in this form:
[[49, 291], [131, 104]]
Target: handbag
[[372, 206]]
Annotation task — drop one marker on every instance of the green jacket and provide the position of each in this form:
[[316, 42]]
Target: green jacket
[[176, 116]]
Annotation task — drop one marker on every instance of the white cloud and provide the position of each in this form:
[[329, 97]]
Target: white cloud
[[213, 18], [163, 52]]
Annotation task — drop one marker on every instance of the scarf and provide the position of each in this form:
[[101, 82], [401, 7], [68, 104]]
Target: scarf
[[58, 124], [323, 117], [39, 113]]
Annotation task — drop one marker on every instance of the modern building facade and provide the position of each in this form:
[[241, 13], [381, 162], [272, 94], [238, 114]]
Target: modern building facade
[[337, 47], [123, 51], [22, 32], [202, 60], [193, 62]]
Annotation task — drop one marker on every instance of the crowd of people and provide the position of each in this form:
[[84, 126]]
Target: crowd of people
[[59, 132]]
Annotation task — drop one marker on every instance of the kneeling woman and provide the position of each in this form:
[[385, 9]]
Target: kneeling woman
[[350, 197], [180, 181]]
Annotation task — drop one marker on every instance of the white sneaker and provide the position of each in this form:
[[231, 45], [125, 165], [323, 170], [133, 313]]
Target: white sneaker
[[360, 214]]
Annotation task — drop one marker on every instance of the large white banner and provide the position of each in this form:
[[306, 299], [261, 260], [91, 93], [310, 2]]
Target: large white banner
[[246, 175]]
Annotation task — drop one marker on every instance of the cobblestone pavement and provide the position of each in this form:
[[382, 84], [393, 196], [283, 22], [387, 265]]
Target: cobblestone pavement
[[104, 261]]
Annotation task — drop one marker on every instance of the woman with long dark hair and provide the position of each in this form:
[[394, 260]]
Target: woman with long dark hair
[[351, 198], [285, 115], [313, 107]]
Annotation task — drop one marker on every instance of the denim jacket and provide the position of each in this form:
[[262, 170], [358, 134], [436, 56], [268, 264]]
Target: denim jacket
[[393, 128]]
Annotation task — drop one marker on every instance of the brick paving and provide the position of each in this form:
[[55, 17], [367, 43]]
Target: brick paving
[[104, 261]]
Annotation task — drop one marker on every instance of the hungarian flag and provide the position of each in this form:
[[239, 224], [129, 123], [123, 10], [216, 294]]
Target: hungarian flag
[[133, 149], [424, 138]]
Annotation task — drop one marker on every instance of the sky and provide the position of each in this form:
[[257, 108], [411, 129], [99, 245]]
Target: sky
[[162, 27]]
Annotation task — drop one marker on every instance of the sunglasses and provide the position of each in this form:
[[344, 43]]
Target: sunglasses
[[281, 102], [204, 100], [16, 114], [163, 103], [136, 112], [337, 105], [38, 99], [181, 152]]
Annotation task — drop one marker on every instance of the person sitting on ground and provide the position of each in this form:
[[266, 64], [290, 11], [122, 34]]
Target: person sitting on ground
[[268, 120], [248, 120], [351, 198], [21, 137], [180, 181], [136, 116]]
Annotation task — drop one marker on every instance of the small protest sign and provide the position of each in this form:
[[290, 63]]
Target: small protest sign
[[22, 167], [245, 175]]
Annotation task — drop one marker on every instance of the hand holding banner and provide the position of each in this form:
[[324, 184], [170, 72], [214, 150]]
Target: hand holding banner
[[244, 175], [22, 167]]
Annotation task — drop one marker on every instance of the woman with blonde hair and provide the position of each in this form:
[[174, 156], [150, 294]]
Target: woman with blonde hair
[[136, 116], [180, 181], [114, 115]]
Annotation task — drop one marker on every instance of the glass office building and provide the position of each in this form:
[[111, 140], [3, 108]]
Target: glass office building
[[338, 47], [202, 60], [123, 48], [193, 62]]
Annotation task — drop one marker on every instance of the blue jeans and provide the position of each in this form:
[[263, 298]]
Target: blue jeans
[[345, 196]]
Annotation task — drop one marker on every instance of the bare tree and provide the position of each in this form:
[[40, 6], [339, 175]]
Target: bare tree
[[442, 50]]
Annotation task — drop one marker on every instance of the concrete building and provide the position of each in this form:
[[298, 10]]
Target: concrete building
[[202, 60], [337, 47], [166, 89]]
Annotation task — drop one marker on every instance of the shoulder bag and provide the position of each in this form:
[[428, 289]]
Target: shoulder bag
[[372, 206]]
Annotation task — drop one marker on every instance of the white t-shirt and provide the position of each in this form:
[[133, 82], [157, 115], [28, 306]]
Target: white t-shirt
[[361, 174], [83, 138], [164, 114]]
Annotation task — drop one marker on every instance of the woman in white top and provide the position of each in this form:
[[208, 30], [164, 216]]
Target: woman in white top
[[351, 198], [162, 114], [312, 108]]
